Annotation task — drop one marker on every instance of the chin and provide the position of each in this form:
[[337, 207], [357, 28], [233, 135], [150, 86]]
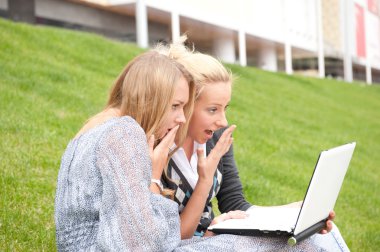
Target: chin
[[202, 141]]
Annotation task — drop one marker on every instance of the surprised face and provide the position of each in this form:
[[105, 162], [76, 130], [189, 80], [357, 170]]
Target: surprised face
[[209, 112], [176, 114]]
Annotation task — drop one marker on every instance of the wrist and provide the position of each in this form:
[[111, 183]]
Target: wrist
[[205, 182], [154, 188], [156, 174], [158, 183], [203, 187]]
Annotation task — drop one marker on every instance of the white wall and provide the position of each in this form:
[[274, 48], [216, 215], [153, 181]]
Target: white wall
[[265, 19], [220, 13], [302, 22], [4, 4], [83, 15]]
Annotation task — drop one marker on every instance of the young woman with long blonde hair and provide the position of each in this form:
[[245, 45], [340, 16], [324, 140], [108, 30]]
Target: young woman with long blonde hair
[[107, 194]]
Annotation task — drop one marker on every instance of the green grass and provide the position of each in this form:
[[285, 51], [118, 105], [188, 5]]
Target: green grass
[[52, 80]]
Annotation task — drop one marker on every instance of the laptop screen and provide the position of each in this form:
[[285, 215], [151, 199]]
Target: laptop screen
[[324, 186]]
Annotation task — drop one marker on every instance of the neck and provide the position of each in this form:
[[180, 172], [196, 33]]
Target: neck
[[188, 147], [112, 112]]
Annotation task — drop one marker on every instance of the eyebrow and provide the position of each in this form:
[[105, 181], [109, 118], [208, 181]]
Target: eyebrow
[[180, 102], [217, 104]]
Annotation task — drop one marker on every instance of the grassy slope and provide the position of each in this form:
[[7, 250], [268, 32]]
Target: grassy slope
[[52, 80]]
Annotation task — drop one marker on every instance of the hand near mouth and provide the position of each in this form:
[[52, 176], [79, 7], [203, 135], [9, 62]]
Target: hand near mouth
[[159, 154], [207, 166]]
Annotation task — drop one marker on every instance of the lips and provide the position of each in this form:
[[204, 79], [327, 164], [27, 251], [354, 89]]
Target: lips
[[209, 133]]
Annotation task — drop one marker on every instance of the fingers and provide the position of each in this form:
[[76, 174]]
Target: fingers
[[201, 159], [224, 142], [236, 214], [161, 152], [200, 154], [329, 223], [227, 134], [230, 129], [328, 228], [332, 215], [168, 140], [230, 215], [324, 231]]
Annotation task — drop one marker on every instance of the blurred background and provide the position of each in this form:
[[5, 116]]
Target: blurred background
[[322, 38]]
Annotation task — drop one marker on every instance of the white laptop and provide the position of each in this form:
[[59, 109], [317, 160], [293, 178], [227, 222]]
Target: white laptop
[[298, 222]]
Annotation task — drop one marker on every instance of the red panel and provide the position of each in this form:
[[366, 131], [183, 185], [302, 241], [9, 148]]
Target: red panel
[[373, 6], [360, 31]]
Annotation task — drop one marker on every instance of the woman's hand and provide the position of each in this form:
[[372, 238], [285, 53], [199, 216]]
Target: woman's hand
[[207, 166], [237, 214], [159, 155], [329, 224]]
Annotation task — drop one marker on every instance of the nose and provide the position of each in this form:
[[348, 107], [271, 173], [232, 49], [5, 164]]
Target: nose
[[181, 119], [222, 122]]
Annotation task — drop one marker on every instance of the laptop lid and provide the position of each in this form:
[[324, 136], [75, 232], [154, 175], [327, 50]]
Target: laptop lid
[[324, 186], [319, 200]]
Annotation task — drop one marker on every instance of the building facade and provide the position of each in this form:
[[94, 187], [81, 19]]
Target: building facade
[[325, 38]]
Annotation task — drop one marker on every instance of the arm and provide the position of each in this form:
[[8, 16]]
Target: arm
[[193, 210], [130, 216]]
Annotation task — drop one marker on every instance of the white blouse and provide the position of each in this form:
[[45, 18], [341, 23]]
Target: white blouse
[[188, 169]]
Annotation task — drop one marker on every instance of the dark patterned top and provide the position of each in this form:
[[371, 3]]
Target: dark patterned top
[[183, 192]]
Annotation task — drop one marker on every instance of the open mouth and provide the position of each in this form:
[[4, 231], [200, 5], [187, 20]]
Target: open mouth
[[209, 132], [167, 132]]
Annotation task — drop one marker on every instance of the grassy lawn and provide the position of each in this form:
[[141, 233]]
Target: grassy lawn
[[52, 80]]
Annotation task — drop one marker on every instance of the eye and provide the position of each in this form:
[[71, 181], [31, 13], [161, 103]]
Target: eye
[[175, 106], [226, 107], [212, 110]]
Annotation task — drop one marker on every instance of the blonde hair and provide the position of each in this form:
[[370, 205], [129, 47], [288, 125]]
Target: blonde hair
[[145, 88], [204, 68]]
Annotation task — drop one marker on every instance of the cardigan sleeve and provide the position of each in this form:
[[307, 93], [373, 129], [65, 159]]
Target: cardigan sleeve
[[230, 196], [131, 218]]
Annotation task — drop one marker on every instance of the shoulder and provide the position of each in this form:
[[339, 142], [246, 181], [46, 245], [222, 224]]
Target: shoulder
[[124, 122], [123, 139], [121, 127]]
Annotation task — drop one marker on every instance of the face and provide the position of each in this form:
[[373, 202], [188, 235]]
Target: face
[[176, 114], [209, 112]]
